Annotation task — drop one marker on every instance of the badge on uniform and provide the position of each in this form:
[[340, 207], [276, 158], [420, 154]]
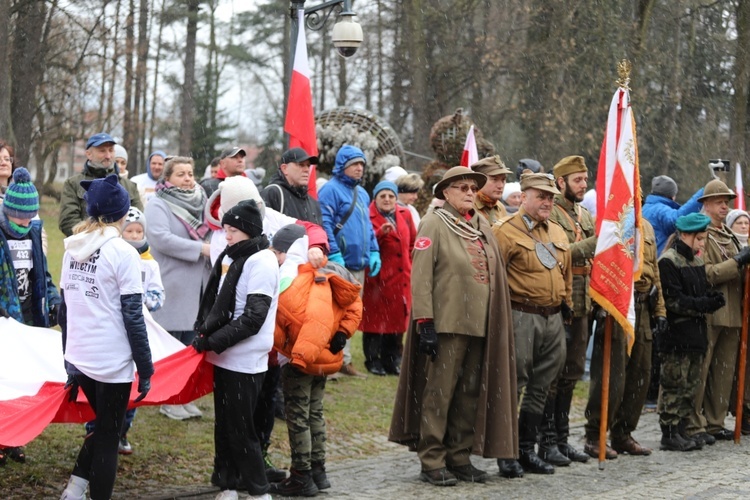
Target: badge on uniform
[[546, 254], [422, 243]]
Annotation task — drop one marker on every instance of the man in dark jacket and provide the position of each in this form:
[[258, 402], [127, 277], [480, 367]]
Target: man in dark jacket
[[100, 162], [231, 163], [287, 190]]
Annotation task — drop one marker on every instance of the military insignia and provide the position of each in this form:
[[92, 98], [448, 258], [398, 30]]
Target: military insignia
[[422, 243], [546, 254], [625, 229]]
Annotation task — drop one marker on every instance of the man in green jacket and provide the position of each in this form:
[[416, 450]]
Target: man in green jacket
[[100, 162]]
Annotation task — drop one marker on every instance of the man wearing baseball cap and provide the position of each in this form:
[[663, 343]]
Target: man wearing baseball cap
[[100, 162], [487, 201], [231, 163], [287, 190]]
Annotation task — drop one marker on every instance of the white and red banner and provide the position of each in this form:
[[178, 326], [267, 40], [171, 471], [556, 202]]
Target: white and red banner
[[32, 379], [470, 155], [739, 189], [300, 119], [619, 250]]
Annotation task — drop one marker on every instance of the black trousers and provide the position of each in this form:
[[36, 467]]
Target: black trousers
[[238, 463], [97, 460], [265, 409]]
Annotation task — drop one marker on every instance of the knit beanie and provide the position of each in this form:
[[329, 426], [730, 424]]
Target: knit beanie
[[384, 185], [236, 189], [286, 236], [393, 173], [21, 197], [511, 188], [735, 214], [663, 185], [106, 198], [121, 152], [246, 217], [134, 216]]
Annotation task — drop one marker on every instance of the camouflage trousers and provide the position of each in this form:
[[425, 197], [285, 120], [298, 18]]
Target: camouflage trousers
[[679, 379], [303, 402]]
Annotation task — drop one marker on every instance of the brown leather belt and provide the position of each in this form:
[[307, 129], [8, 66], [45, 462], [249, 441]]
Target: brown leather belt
[[534, 309], [581, 271]]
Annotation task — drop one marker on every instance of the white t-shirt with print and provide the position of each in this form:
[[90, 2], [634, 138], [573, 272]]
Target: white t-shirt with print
[[97, 343], [260, 275]]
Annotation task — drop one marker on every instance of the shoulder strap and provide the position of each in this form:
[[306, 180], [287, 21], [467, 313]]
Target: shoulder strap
[[281, 193], [340, 224]]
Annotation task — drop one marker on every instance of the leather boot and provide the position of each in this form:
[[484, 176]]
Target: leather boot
[[671, 440], [371, 349], [548, 437], [681, 428], [528, 428], [563, 400], [509, 468]]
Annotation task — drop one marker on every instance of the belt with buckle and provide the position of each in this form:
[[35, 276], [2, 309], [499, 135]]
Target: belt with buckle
[[534, 309]]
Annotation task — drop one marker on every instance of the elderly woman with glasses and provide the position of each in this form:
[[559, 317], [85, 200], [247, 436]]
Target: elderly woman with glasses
[[456, 393]]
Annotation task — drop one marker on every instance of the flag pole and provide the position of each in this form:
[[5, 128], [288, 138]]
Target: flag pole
[[604, 414], [742, 361]]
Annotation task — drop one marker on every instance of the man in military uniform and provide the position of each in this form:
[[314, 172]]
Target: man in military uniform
[[631, 374], [538, 262], [571, 177], [724, 258], [487, 201]]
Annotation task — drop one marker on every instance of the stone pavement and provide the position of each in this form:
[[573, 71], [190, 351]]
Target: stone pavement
[[719, 472]]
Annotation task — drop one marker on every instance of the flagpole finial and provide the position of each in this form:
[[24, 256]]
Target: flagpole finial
[[623, 71]]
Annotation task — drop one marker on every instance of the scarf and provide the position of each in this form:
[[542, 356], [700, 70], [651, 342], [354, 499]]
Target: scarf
[[187, 205], [15, 231], [217, 306], [389, 216], [742, 238], [486, 200]]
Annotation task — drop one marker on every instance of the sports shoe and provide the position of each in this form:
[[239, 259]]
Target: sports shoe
[[124, 448], [228, 495], [298, 484], [175, 412], [273, 475], [320, 478], [192, 410]]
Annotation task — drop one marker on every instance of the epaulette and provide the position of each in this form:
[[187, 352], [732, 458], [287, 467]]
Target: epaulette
[[503, 220]]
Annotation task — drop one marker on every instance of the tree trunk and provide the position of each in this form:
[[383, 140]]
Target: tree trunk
[[419, 68], [741, 84], [128, 124], [134, 154], [114, 75], [6, 125], [188, 85], [152, 122]]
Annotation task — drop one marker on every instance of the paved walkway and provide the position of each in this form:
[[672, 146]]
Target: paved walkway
[[721, 471]]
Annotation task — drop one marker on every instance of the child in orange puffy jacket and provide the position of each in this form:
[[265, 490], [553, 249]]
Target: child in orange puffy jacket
[[318, 310]]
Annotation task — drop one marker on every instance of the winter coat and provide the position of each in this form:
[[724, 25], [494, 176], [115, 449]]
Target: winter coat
[[663, 213], [317, 304], [356, 239], [292, 201], [72, 204], [387, 296], [724, 275], [184, 270], [43, 291]]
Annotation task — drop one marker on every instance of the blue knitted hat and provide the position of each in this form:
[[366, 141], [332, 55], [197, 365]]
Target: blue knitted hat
[[21, 198], [106, 198], [384, 185]]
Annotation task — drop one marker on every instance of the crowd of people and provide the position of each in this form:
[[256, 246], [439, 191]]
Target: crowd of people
[[480, 307]]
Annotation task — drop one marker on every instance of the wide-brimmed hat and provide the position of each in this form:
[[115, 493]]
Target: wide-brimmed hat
[[542, 182], [492, 165], [455, 174], [716, 188]]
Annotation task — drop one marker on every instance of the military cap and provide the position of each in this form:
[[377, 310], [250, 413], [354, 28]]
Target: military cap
[[716, 188], [492, 165], [456, 174], [542, 182], [693, 223], [569, 165]]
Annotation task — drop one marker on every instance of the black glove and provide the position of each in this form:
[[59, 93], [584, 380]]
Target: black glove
[[144, 385], [743, 257], [200, 343], [53, 315], [567, 312], [72, 383], [337, 342], [428, 339], [710, 302], [661, 326]]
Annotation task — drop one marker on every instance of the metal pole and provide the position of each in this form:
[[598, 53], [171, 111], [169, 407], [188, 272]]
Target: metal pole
[[296, 6]]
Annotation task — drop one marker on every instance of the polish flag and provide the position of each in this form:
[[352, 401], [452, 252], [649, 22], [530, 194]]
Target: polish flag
[[740, 203], [32, 379], [619, 250], [470, 155], [300, 119]]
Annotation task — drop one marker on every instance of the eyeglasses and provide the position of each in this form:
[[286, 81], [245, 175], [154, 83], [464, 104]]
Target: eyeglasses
[[7, 159], [466, 187]]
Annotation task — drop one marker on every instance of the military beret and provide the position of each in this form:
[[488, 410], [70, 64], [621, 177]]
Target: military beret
[[492, 165], [542, 182], [693, 223], [569, 165]]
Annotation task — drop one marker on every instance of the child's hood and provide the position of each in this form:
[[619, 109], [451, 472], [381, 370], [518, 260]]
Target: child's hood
[[82, 245]]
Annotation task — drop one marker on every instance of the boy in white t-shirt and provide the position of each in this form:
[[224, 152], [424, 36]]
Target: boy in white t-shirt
[[245, 282]]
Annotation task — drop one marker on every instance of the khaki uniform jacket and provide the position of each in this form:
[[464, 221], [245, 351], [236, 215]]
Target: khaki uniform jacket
[[573, 217], [442, 280], [650, 273], [529, 281], [724, 275], [492, 213]]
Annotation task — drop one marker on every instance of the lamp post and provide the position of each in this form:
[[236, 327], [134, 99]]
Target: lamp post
[[346, 35]]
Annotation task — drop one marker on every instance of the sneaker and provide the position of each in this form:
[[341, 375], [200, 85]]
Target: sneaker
[[320, 478], [228, 495], [124, 448], [299, 483], [348, 369], [273, 475], [175, 412], [192, 410]]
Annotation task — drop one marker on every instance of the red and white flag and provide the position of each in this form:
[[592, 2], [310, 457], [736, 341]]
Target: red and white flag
[[619, 250], [470, 155], [739, 189], [300, 119]]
